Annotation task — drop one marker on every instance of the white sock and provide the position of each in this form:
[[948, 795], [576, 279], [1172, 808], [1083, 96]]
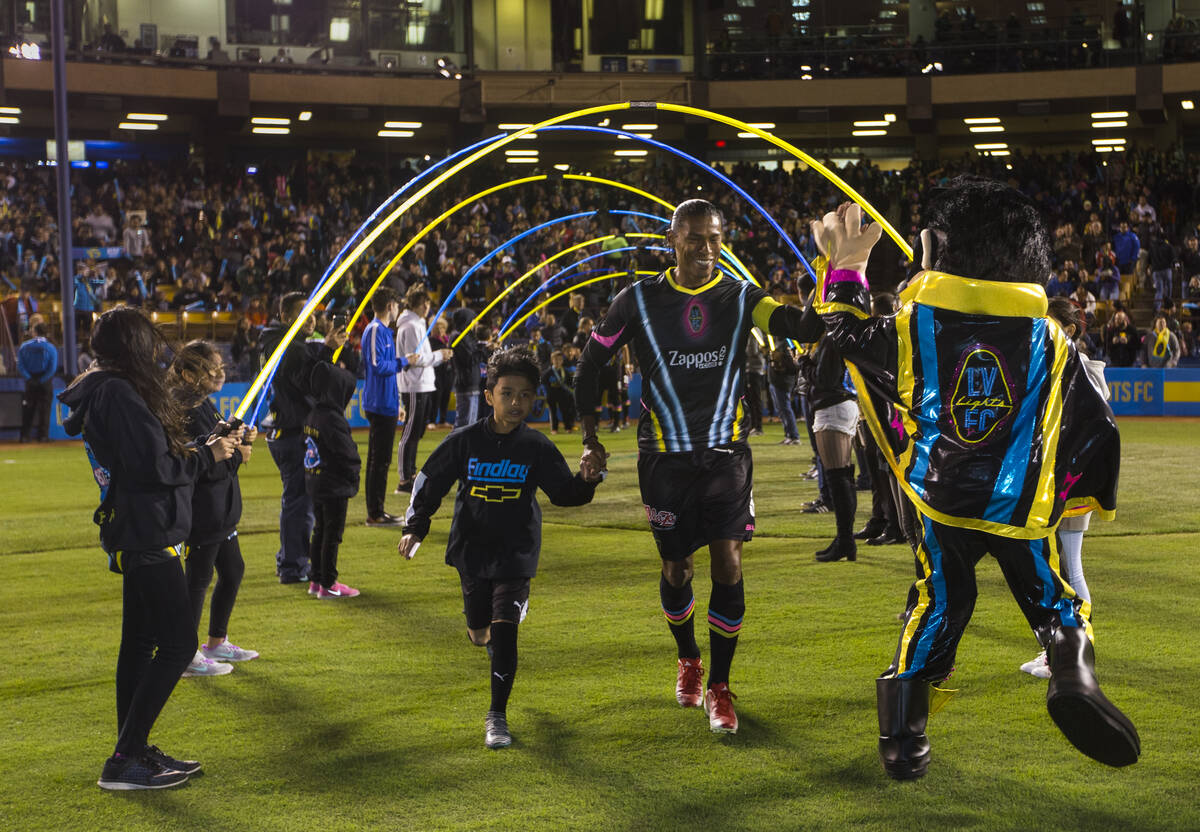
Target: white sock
[[1070, 558]]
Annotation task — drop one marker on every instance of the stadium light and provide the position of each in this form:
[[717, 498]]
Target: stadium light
[[889, 117], [880, 123], [989, 128], [266, 120], [16, 111], [522, 160], [9, 120], [633, 127], [511, 125], [395, 134], [563, 167], [511, 152], [1100, 125], [136, 125], [992, 146], [272, 131], [868, 132], [1113, 114], [998, 153], [146, 117], [1187, 104], [631, 153], [762, 125], [402, 125], [989, 120], [631, 136], [1102, 142], [305, 115]]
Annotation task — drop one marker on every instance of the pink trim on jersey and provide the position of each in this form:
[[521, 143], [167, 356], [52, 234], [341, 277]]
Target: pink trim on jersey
[[607, 341], [846, 276]]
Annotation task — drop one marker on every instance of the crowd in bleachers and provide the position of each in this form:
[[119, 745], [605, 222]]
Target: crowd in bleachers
[[229, 244]]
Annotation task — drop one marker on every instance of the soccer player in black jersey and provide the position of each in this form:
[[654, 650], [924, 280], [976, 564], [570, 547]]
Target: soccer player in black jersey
[[688, 328]]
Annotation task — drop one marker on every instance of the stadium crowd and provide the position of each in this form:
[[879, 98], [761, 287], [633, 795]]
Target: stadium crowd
[[1125, 227]]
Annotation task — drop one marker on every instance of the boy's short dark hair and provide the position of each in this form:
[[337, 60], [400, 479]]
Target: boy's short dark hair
[[512, 362], [987, 230], [383, 298], [290, 306], [695, 208]]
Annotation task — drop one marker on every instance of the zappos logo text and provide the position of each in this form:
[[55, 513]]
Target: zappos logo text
[[504, 470], [698, 360]]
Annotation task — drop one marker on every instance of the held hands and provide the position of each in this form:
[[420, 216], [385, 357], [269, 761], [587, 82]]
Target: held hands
[[408, 546], [594, 462], [222, 447], [840, 236]]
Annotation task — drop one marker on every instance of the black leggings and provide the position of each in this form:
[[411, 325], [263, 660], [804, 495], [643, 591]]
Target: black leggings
[[155, 615], [326, 537], [226, 555]]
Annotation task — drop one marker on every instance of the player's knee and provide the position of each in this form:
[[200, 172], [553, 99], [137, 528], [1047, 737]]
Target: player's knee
[[677, 573], [479, 637]]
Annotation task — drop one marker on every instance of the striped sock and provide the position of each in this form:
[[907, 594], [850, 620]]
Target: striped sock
[[726, 608], [679, 606]]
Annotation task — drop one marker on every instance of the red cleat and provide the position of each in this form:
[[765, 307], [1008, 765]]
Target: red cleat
[[689, 691], [718, 704]]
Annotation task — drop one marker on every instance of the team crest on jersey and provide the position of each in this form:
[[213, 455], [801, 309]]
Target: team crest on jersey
[[983, 398], [312, 456], [660, 520], [696, 318]]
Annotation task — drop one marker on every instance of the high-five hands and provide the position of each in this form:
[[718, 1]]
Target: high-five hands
[[841, 237]]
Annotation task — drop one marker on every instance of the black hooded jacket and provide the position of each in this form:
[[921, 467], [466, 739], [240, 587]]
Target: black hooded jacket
[[331, 460], [145, 490], [217, 499], [291, 395]]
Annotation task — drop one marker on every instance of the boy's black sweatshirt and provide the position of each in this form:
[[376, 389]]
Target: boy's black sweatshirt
[[291, 394], [217, 499], [146, 491], [496, 532], [331, 460]]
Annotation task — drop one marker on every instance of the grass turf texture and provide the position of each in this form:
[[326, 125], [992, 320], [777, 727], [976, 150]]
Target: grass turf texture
[[369, 713]]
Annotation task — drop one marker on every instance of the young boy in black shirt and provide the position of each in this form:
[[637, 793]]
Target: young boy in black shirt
[[331, 468], [496, 534]]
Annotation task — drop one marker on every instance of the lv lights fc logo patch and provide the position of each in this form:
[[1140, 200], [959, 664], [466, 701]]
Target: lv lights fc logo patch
[[982, 399], [696, 318]]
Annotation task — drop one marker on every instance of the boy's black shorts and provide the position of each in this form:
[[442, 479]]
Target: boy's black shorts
[[486, 601], [692, 499]]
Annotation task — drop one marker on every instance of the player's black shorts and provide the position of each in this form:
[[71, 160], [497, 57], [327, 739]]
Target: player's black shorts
[[486, 601], [692, 499]]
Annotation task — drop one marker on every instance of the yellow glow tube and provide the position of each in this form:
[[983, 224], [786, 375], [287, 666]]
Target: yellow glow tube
[[567, 291]]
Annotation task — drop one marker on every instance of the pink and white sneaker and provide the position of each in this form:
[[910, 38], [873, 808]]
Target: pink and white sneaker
[[336, 591], [313, 587]]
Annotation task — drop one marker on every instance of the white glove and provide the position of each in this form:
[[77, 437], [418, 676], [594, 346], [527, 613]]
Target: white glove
[[843, 240]]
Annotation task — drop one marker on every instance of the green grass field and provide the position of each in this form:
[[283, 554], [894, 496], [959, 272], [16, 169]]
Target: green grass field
[[368, 714]]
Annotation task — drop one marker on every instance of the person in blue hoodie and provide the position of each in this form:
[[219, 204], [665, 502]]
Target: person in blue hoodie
[[37, 361], [331, 468], [381, 401]]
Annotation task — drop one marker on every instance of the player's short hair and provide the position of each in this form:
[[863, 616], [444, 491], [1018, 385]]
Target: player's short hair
[[39, 329], [290, 305], [695, 208], [987, 230], [417, 295], [383, 298], [516, 361]]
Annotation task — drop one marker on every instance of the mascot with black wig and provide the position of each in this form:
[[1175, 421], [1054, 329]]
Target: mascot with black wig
[[982, 407]]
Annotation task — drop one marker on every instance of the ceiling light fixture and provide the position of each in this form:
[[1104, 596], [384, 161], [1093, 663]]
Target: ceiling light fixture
[[271, 131]]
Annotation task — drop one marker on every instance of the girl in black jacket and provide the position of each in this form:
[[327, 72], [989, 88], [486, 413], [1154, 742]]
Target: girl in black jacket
[[331, 468], [197, 372], [134, 434]]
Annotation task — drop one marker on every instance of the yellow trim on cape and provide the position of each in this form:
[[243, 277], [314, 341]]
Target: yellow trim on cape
[[670, 274], [976, 297]]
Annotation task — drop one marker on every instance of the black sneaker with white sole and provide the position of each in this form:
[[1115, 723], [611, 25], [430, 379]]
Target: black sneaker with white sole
[[129, 773], [188, 767]]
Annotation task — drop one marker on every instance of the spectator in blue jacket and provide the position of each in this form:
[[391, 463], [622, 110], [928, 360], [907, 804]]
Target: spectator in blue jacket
[[1127, 246], [381, 401], [37, 361], [87, 302]]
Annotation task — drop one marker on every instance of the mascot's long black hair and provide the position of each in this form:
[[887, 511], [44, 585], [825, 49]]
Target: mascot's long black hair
[[986, 230]]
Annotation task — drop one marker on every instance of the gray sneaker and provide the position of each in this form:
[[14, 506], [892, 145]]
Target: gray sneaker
[[202, 665], [227, 651], [495, 731]]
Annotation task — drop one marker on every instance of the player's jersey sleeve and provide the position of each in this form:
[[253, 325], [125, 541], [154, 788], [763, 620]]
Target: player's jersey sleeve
[[555, 478], [433, 482], [612, 333]]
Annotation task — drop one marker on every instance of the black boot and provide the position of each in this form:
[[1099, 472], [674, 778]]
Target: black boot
[[1078, 707], [845, 501], [903, 706], [875, 527]]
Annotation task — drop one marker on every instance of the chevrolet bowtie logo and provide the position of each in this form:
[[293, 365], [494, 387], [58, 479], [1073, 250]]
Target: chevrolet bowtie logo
[[495, 493]]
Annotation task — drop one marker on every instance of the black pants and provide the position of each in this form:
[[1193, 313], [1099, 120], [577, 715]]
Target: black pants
[[418, 407], [226, 556], [610, 382], [561, 401], [754, 399], [295, 507], [379, 460], [157, 643], [35, 408], [326, 537]]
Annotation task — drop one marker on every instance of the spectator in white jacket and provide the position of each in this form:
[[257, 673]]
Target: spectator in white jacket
[[416, 382]]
